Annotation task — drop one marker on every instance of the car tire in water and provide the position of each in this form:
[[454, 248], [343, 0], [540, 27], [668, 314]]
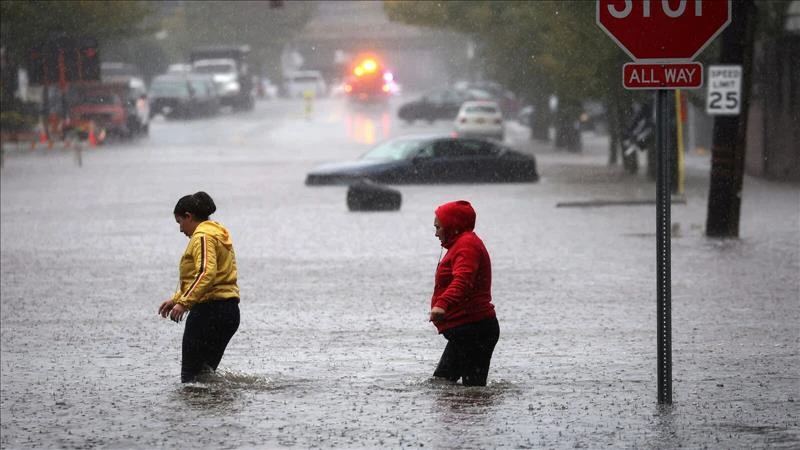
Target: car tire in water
[[366, 195]]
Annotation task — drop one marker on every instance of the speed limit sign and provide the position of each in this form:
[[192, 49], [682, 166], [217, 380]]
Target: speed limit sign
[[724, 90]]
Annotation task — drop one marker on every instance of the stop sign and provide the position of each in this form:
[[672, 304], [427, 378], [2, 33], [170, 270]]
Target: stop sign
[[663, 30]]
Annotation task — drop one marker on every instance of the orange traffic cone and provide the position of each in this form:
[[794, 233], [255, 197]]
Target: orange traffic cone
[[92, 137], [42, 134]]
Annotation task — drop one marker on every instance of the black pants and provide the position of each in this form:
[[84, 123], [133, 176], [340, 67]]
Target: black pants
[[209, 328], [469, 352]]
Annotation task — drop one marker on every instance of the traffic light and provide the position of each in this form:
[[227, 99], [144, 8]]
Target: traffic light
[[88, 60], [64, 60], [36, 66]]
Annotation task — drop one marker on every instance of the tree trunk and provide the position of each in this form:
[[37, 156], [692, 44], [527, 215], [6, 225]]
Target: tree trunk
[[540, 119], [730, 132], [568, 133]]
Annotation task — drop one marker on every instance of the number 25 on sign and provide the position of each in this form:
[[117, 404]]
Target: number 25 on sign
[[724, 90]]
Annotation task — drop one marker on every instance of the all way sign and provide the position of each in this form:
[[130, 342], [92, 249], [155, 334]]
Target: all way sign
[[662, 76]]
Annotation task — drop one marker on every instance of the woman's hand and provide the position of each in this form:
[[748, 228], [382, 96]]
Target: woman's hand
[[165, 308], [177, 313], [437, 314]]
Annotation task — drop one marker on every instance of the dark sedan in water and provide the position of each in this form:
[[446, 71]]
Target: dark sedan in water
[[431, 159]]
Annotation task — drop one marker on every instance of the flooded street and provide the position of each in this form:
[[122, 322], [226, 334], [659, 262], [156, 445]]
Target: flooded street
[[334, 349]]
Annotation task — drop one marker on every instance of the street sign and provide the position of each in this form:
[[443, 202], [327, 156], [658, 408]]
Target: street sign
[[663, 37], [666, 30], [662, 76], [64, 60], [724, 90]]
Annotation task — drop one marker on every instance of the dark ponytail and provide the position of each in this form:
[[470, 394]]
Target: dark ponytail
[[199, 204]]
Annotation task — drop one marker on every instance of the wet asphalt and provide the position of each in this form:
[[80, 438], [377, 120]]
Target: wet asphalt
[[334, 349]]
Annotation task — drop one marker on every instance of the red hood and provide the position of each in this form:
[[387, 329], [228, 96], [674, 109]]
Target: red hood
[[455, 218]]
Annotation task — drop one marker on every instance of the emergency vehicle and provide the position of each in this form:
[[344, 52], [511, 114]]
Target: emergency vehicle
[[369, 80]]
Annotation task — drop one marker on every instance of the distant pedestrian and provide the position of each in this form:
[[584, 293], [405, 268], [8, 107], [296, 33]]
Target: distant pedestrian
[[461, 306], [207, 287]]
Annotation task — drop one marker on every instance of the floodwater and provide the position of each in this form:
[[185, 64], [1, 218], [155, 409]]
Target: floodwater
[[334, 349]]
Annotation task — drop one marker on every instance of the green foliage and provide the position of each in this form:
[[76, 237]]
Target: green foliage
[[27, 24], [550, 45], [265, 29], [536, 48], [16, 121]]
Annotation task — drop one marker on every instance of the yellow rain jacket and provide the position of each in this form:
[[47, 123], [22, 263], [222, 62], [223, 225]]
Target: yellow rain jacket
[[208, 267]]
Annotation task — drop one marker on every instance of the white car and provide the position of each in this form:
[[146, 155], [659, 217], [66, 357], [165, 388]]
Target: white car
[[480, 118], [299, 84]]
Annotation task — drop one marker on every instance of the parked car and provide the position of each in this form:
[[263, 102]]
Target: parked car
[[120, 107], [508, 102], [480, 118], [179, 68], [119, 71], [183, 95], [593, 117], [431, 159], [524, 115], [438, 104], [266, 88], [297, 84]]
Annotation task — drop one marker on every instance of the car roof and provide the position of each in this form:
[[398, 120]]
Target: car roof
[[421, 137], [480, 103], [214, 62], [434, 136], [171, 77]]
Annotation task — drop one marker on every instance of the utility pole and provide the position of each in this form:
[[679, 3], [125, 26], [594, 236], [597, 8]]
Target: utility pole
[[730, 132]]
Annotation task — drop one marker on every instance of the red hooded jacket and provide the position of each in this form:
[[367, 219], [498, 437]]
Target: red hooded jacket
[[464, 276]]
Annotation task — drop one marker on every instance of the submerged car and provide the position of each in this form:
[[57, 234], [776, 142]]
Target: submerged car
[[431, 159]]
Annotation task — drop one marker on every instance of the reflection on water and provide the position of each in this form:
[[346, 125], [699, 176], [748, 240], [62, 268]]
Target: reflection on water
[[365, 128], [666, 434]]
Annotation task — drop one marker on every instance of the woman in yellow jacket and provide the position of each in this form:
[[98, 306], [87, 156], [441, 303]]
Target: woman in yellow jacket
[[207, 287]]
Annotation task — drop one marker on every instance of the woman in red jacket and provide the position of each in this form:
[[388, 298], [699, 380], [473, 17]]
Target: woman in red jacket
[[461, 306]]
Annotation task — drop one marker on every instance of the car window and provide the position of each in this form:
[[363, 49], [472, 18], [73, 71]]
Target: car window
[[460, 148], [426, 151], [215, 68], [490, 149], [393, 150], [306, 79], [100, 98], [481, 109], [199, 87], [435, 97], [169, 89], [451, 96]]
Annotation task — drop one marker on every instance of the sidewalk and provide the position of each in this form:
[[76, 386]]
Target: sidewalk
[[591, 167]]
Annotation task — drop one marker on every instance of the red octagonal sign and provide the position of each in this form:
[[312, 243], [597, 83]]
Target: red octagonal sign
[[663, 30]]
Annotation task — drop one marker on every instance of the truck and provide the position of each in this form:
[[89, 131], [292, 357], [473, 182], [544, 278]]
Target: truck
[[119, 107], [369, 81], [230, 68]]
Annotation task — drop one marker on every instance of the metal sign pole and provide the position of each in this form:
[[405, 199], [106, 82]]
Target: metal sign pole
[[663, 263]]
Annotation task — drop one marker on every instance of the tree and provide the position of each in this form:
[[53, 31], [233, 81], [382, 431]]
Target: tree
[[537, 49], [28, 24], [31, 24], [266, 29]]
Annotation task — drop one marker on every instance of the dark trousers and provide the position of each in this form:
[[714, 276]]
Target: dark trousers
[[469, 352], [209, 328]]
